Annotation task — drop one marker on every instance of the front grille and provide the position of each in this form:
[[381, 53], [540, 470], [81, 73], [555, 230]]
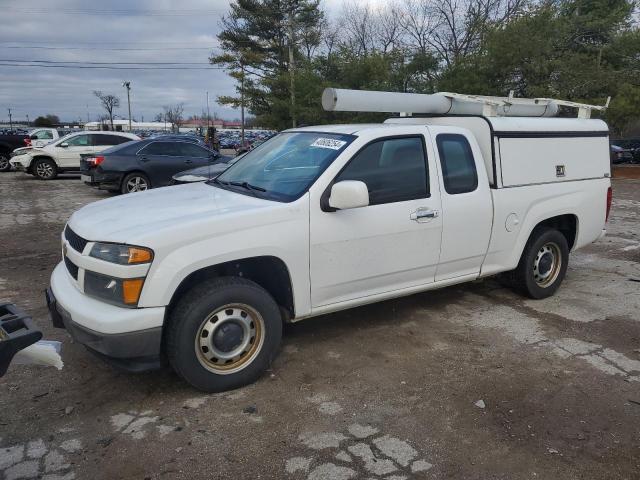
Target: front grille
[[72, 267], [76, 241]]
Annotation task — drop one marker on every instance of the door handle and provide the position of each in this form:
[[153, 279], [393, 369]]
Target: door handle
[[144, 159], [423, 214], [188, 161]]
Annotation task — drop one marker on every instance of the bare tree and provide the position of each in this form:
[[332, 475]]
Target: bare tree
[[387, 27], [173, 115], [460, 25], [359, 27], [331, 35], [109, 103], [418, 21]]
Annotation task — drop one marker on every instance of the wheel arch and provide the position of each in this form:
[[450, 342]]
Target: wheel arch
[[135, 170], [43, 157], [566, 224], [270, 272]]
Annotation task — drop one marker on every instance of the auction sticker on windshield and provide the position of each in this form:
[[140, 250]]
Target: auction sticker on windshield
[[329, 143]]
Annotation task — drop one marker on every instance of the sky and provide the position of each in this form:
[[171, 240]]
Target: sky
[[112, 31]]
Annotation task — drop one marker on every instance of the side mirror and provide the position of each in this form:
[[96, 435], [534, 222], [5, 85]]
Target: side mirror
[[33, 137], [349, 194], [64, 145]]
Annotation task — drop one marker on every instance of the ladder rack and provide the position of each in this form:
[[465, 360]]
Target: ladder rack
[[448, 103]]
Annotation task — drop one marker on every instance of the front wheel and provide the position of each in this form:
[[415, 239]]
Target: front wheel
[[223, 334], [543, 264], [5, 166], [135, 182], [45, 169]]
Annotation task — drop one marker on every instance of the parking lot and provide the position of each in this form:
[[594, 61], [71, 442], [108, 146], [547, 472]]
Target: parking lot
[[471, 382]]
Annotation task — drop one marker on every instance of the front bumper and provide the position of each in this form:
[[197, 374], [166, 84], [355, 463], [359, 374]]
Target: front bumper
[[129, 338], [20, 162]]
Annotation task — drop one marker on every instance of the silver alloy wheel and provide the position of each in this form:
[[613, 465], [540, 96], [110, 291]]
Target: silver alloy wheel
[[4, 162], [547, 264], [229, 339], [137, 184], [44, 170]]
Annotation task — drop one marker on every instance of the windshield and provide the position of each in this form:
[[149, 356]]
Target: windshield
[[285, 166]]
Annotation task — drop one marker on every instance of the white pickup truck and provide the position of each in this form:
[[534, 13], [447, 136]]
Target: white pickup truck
[[320, 219]]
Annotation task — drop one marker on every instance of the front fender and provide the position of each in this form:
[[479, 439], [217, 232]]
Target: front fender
[[287, 240]]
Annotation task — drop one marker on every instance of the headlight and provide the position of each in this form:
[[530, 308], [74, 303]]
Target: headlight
[[121, 254], [118, 291]]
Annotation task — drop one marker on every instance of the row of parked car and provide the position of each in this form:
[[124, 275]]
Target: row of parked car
[[121, 162]]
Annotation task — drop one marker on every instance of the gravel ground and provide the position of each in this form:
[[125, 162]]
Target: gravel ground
[[470, 382]]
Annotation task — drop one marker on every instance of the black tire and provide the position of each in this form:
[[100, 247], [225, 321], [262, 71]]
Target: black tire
[[543, 264], [135, 178], [45, 169], [187, 347], [5, 166]]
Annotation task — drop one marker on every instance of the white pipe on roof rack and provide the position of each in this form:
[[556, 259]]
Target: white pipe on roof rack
[[342, 100]]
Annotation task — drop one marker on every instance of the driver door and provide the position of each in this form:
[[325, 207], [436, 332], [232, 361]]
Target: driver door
[[69, 156], [392, 244]]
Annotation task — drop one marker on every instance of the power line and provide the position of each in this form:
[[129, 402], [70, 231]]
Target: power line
[[114, 12], [107, 67], [43, 47], [100, 63]]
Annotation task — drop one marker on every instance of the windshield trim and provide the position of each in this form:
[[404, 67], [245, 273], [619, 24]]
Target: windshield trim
[[275, 196]]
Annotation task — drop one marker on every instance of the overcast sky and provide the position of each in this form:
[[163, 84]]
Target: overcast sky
[[111, 31]]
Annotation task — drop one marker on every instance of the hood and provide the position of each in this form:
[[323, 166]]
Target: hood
[[139, 217], [202, 173]]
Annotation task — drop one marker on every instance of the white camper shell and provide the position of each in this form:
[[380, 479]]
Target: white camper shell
[[525, 151]]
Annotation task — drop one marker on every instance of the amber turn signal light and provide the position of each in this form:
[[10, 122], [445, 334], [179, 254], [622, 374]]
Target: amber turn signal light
[[139, 255], [131, 289]]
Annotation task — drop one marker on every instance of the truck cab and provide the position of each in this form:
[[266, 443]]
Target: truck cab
[[320, 219]]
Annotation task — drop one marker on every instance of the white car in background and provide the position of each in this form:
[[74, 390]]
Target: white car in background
[[63, 155]]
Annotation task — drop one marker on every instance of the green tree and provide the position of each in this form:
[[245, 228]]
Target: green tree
[[261, 42], [48, 120]]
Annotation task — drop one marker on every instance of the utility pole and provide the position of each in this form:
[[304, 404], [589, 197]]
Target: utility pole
[[10, 121], [242, 100], [28, 122], [127, 85], [292, 66], [208, 114]]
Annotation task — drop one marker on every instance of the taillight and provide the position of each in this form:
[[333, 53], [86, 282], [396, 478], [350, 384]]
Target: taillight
[[95, 161], [27, 142], [609, 199]]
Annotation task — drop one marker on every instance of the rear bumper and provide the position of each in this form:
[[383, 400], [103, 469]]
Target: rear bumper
[[102, 181], [128, 338]]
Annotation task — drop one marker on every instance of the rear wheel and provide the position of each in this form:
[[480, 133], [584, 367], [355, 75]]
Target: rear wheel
[[135, 182], [5, 166], [45, 169], [543, 264], [223, 334]]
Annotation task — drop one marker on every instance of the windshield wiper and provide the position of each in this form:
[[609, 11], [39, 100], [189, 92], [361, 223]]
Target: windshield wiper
[[248, 186]]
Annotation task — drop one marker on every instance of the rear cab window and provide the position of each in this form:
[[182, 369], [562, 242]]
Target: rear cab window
[[459, 173]]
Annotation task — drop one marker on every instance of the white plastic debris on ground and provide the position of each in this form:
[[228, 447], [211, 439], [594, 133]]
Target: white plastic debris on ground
[[44, 352]]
